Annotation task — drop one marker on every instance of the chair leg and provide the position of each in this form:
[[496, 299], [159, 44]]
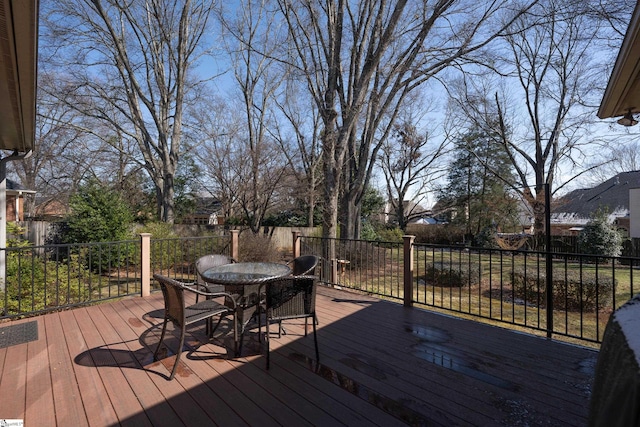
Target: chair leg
[[164, 329], [266, 339], [175, 366], [237, 345], [212, 330], [259, 324], [315, 341]]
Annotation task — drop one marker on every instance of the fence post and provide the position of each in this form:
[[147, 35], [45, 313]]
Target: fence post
[[408, 270], [234, 244], [145, 264], [296, 244]]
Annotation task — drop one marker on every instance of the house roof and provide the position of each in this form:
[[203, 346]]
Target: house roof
[[207, 205], [18, 52], [15, 188], [623, 90], [613, 194]]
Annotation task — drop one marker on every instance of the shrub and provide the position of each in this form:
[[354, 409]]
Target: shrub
[[570, 292], [436, 234], [451, 275], [257, 248], [368, 231], [100, 214], [599, 237], [360, 253], [390, 235], [67, 286], [158, 230], [486, 238], [166, 247]]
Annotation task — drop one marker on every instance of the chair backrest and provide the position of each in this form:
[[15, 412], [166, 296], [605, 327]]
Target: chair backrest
[[173, 293], [291, 297], [207, 261], [305, 265]]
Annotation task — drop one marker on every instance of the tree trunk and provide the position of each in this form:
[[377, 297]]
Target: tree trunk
[[350, 217], [330, 212]]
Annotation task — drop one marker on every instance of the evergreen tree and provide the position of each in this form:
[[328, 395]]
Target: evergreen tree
[[599, 237], [98, 214], [476, 193]]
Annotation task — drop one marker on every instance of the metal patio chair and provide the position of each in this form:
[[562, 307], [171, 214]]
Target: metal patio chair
[[181, 315], [290, 297]]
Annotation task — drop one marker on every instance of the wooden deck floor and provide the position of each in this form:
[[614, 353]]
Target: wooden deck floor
[[381, 364]]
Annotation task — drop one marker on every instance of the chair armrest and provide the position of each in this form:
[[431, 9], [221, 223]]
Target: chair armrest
[[197, 285], [227, 295]]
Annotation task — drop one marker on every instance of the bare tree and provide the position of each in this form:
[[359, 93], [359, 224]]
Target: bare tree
[[622, 155], [407, 159], [130, 64], [298, 133], [553, 75], [64, 154], [252, 40], [220, 160], [361, 58]]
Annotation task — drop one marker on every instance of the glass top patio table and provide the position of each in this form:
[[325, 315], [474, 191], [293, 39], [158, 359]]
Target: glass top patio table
[[245, 273]]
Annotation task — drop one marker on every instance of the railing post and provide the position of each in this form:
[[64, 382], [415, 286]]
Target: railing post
[[145, 264], [296, 244], [408, 270], [235, 234]]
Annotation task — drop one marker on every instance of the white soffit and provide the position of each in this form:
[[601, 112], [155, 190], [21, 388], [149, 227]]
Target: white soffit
[[18, 53]]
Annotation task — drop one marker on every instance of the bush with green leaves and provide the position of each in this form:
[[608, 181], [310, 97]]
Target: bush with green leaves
[[28, 288], [599, 237], [486, 238], [449, 275], [166, 246], [368, 231], [15, 236], [100, 214], [571, 290], [390, 235]]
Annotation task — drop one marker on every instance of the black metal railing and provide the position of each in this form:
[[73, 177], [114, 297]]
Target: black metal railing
[[45, 278], [373, 267], [498, 285], [511, 287], [175, 257], [505, 286]]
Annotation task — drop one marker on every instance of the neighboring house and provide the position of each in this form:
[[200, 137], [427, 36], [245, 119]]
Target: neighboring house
[[572, 212], [50, 209], [15, 200], [427, 220], [411, 209], [208, 212]]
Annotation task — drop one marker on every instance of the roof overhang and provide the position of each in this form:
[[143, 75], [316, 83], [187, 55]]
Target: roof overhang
[[18, 72], [623, 90]]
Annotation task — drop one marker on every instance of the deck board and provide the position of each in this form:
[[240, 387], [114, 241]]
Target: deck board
[[39, 393], [67, 400], [381, 364]]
